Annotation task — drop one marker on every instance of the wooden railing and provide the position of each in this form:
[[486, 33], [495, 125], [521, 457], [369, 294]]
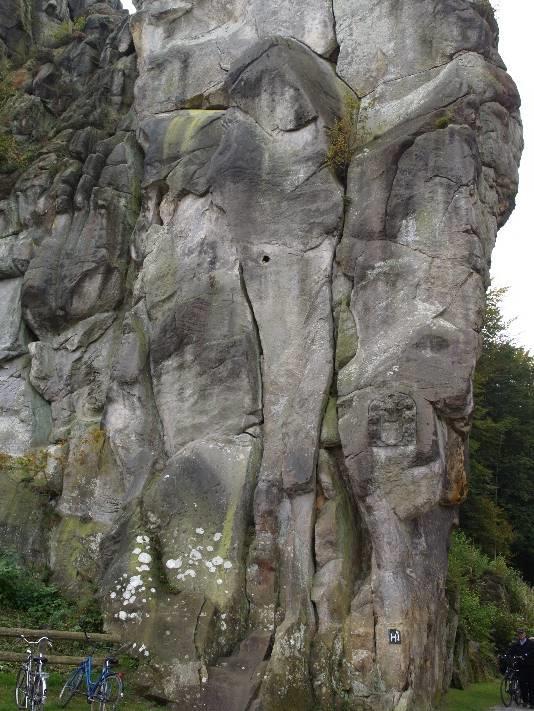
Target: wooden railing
[[97, 637]]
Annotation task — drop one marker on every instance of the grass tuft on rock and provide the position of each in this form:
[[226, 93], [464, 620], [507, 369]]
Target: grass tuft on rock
[[14, 155], [68, 30], [342, 136]]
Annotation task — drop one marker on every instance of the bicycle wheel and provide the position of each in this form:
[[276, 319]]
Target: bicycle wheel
[[108, 694], [70, 687], [516, 691], [21, 690], [506, 692], [38, 696]]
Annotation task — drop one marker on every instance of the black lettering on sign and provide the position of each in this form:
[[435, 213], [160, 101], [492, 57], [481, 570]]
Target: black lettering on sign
[[394, 636]]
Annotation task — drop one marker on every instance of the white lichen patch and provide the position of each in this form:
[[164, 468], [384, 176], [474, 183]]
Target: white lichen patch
[[144, 557], [200, 531], [171, 563], [217, 537]]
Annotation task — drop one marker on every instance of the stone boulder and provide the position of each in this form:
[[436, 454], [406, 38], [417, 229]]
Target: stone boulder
[[243, 262]]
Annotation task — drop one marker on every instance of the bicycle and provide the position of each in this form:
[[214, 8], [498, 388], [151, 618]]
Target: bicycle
[[510, 690], [30, 687], [104, 694]]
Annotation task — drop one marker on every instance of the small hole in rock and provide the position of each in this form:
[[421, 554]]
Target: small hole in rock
[[266, 259]]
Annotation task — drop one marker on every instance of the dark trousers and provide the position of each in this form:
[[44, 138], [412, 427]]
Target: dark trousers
[[526, 684]]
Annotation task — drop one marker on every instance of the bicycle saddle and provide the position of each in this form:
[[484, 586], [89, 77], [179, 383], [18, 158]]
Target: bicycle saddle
[[112, 661], [40, 659]]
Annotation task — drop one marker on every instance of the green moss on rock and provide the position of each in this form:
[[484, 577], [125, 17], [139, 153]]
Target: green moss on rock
[[329, 430], [74, 552], [346, 336]]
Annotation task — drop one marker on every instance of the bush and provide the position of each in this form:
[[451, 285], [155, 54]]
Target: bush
[[27, 600], [493, 598]]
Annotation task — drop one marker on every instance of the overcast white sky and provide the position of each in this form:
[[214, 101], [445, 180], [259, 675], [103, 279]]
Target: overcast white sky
[[513, 258]]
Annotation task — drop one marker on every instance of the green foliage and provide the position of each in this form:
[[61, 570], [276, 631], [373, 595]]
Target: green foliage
[[493, 598], [444, 120], [498, 512], [29, 464], [7, 90], [342, 136], [27, 600], [68, 30], [13, 155]]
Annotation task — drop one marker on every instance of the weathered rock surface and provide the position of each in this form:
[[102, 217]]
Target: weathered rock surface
[[240, 310]]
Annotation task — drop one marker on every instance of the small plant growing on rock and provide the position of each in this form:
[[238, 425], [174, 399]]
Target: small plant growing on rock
[[445, 120], [28, 465], [68, 31], [13, 156], [7, 89], [342, 136]]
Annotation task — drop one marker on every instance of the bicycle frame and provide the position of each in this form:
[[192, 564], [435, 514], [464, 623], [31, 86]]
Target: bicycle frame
[[510, 688], [34, 675], [86, 667], [80, 680]]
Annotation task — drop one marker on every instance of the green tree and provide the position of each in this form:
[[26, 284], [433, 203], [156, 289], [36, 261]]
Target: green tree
[[498, 514]]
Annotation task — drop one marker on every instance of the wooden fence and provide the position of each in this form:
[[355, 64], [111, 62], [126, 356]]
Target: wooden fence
[[93, 637]]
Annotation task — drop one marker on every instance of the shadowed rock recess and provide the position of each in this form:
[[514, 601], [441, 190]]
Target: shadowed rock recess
[[244, 250]]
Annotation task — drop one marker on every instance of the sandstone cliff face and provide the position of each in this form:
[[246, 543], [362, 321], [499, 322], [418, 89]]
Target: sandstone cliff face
[[237, 359]]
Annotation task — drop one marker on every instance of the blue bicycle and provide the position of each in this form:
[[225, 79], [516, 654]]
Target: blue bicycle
[[104, 694]]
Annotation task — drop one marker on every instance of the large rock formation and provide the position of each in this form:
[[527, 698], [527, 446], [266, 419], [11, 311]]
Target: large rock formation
[[240, 317]]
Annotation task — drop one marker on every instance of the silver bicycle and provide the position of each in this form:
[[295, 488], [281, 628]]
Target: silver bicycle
[[30, 690]]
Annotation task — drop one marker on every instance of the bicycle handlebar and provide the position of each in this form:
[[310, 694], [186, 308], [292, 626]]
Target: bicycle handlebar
[[41, 639]]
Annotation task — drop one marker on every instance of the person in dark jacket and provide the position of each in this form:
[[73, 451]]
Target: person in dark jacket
[[524, 648]]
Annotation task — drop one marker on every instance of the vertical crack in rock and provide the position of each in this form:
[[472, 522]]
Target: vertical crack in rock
[[256, 333], [335, 53]]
